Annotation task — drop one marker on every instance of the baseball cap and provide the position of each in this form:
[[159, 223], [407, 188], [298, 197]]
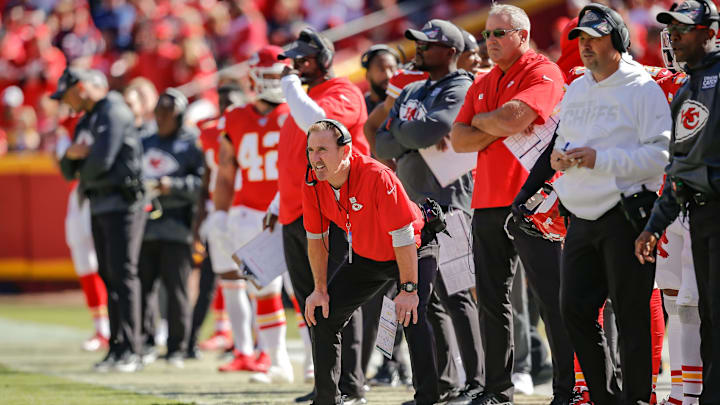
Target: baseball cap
[[439, 32], [595, 24], [306, 46], [69, 78], [470, 41], [688, 12]]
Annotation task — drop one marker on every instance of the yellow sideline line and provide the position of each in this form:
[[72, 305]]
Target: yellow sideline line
[[472, 22], [35, 163], [42, 269]]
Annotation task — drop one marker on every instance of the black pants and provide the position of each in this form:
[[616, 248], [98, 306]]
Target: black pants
[[598, 262], [705, 235], [206, 294], [455, 322], [493, 252], [171, 262], [352, 377], [117, 237], [351, 287]]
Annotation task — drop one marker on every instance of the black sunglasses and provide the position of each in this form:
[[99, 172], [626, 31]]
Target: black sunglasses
[[424, 46], [683, 28], [498, 33]]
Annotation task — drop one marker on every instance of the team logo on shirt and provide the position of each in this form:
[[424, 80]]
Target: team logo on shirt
[[356, 206], [85, 137], [691, 120], [709, 82], [158, 163], [411, 110]]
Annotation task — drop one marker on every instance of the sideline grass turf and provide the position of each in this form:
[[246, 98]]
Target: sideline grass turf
[[20, 388]]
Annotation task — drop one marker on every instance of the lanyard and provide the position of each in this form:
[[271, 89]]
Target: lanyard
[[348, 225]]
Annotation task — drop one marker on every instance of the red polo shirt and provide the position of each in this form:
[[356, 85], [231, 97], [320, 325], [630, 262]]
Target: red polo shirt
[[342, 101], [376, 203], [532, 79]]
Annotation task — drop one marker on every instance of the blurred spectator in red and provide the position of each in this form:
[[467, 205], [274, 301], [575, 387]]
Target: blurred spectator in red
[[569, 53], [653, 53], [43, 65], [248, 29], [76, 35], [12, 98], [196, 66], [285, 21], [23, 135], [322, 14], [157, 54]]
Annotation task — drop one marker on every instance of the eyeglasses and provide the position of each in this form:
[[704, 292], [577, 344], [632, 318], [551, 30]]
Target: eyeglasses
[[683, 28], [498, 33], [424, 46]]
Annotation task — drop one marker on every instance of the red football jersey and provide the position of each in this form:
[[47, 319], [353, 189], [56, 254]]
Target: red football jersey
[[255, 140], [671, 84], [210, 144], [402, 78], [372, 203], [342, 101]]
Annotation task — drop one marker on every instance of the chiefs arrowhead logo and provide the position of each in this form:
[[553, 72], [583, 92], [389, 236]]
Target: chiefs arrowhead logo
[[158, 163], [690, 120], [411, 110]]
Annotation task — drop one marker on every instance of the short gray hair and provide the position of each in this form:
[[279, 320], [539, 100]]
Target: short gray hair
[[518, 17]]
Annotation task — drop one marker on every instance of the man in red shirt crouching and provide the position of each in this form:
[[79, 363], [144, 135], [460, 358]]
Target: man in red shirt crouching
[[384, 227]]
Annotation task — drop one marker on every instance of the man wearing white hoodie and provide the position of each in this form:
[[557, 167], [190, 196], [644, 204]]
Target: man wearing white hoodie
[[612, 145]]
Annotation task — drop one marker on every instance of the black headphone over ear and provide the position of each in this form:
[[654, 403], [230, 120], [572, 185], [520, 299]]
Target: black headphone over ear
[[344, 139], [180, 103], [325, 56], [711, 13], [620, 35]]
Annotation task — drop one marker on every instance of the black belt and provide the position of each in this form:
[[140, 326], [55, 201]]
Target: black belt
[[701, 199]]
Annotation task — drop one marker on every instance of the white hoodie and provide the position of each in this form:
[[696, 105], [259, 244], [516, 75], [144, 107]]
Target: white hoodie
[[626, 119]]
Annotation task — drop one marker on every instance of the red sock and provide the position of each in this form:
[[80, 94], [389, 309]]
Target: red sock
[[657, 332], [94, 290], [270, 312], [219, 302]]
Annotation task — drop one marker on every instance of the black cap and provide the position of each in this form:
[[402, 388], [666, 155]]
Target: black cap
[[471, 42], [439, 32], [690, 12], [595, 24], [69, 78], [305, 45]]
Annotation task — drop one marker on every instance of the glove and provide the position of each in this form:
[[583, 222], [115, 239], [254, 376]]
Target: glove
[[520, 215]]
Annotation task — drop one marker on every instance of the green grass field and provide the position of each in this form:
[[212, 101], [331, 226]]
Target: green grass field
[[41, 363]]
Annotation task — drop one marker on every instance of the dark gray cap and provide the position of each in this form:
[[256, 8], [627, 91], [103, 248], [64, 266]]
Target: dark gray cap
[[69, 78], [471, 42], [309, 43], [689, 12], [593, 23], [439, 32]]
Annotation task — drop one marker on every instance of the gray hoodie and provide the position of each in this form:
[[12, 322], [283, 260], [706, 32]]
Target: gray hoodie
[[423, 114]]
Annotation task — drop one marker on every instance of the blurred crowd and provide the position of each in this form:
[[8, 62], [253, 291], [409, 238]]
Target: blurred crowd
[[174, 42]]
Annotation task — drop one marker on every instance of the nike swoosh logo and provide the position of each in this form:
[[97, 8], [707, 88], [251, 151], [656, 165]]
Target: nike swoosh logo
[[392, 190]]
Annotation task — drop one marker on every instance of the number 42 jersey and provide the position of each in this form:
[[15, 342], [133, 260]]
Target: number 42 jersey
[[255, 140]]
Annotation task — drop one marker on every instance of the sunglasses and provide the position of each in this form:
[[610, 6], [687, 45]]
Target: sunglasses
[[683, 28], [498, 33], [424, 46]]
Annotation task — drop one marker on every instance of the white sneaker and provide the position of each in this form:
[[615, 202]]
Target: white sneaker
[[523, 383], [274, 375]]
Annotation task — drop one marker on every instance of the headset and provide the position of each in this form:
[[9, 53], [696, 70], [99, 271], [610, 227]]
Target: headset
[[368, 56], [620, 35], [344, 139], [326, 53]]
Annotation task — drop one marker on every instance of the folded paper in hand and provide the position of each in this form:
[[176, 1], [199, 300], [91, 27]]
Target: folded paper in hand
[[263, 257]]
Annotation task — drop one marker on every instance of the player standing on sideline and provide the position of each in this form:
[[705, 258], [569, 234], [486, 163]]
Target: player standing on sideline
[[384, 230], [610, 177], [228, 95], [422, 117], [173, 168], [327, 97], [78, 237], [380, 63], [248, 158], [106, 155], [521, 91], [470, 59], [692, 183]]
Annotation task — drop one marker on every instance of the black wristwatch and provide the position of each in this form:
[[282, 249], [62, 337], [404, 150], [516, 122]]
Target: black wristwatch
[[409, 287]]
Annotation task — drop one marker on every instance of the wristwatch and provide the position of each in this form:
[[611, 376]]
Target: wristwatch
[[409, 287]]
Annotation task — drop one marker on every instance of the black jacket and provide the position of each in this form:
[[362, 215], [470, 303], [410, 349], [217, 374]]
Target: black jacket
[[695, 141], [179, 158], [111, 174], [423, 114]]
